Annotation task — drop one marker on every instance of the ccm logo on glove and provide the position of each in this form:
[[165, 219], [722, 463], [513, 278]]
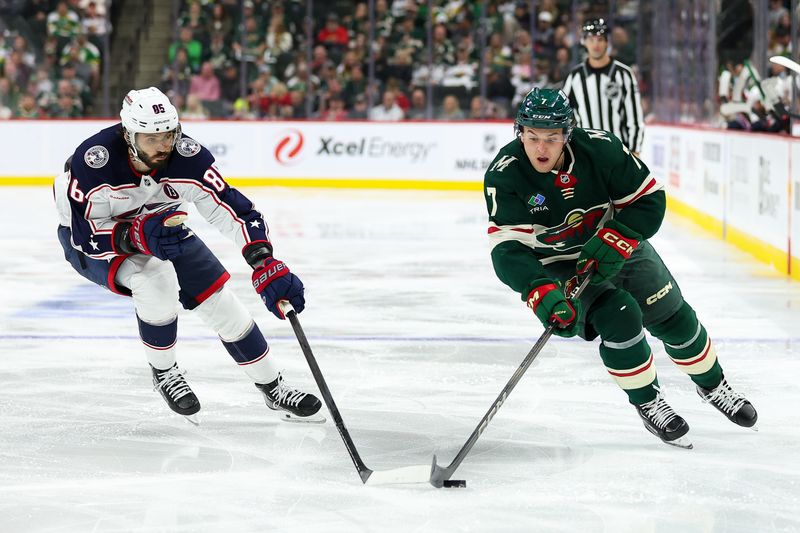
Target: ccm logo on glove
[[624, 246]]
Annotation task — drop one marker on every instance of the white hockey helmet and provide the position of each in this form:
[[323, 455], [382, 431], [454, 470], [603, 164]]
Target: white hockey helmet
[[148, 111]]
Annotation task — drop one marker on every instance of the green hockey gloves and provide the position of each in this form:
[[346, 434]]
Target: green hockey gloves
[[552, 307], [607, 250]]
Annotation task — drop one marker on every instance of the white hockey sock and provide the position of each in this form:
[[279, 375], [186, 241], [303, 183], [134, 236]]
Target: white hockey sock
[[160, 359], [232, 322]]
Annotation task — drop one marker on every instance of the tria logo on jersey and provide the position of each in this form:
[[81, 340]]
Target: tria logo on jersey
[[537, 202]]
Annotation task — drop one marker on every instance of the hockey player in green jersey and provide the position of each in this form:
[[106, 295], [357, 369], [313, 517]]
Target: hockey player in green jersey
[[565, 201]]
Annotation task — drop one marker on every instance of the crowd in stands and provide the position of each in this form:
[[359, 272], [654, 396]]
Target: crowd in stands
[[248, 60], [202, 71], [763, 108], [50, 58]]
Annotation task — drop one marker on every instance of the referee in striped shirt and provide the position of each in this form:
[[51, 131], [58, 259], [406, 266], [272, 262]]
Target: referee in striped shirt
[[604, 92]]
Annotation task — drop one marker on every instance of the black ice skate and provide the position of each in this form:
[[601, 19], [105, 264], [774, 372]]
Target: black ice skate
[[664, 423], [173, 387], [293, 405], [731, 404]]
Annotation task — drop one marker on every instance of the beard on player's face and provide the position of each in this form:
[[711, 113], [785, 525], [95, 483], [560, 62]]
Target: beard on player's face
[[155, 161]]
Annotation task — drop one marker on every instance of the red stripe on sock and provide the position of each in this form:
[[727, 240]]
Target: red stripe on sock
[[694, 362], [628, 374]]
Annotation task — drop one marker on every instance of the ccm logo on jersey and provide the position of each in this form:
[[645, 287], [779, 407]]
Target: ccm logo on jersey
[[660, 294], [623, 246]]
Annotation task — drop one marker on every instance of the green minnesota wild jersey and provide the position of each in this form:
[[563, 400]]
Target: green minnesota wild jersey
[[539, 219]]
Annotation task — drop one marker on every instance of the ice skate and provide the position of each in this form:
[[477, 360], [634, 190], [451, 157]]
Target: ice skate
[[731, 404], [664, 423], [292, 404], [176, 392]]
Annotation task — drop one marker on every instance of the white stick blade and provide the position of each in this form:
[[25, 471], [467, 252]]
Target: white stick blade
[[785, 62], [406, 474]]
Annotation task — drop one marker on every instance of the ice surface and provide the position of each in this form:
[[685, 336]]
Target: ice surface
[[416, 337]]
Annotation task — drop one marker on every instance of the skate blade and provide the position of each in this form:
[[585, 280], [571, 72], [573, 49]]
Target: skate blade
[[194, 419], [312, 419], [680, 442], [754, 428]]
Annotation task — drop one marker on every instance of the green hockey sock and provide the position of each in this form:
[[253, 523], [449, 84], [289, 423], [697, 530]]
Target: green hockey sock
[[626, 355], [688, 345]]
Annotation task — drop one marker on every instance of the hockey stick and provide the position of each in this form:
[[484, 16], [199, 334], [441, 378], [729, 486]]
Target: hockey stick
[[441, 475], [786, 62], [408, 474], [772, 101]]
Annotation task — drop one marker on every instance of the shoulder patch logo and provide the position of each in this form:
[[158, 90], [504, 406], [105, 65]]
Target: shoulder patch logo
[[96, 156], [188, 147]]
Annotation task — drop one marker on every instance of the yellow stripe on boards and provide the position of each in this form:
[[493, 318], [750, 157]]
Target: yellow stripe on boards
[[349, 183], [795, 266], [705, 221], [27, 181], [332, 183], [763, 251]]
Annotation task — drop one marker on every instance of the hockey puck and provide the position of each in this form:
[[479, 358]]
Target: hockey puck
[[454, 483]]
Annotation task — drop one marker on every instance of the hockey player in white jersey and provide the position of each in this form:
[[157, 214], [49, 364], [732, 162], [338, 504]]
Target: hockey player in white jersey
[[121, 204]]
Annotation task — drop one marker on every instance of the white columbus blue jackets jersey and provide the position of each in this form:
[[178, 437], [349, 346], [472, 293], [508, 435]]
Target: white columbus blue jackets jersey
[[102, 188]]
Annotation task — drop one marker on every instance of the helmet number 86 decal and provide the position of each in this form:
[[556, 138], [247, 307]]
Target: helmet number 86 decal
[[158, 108]]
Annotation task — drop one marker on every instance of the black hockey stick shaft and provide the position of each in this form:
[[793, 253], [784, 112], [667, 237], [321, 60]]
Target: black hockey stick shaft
[[363, 471], [440, 474]]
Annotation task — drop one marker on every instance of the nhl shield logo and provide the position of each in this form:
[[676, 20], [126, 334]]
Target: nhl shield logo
[[188, 147], [96, 156], [612, 90]]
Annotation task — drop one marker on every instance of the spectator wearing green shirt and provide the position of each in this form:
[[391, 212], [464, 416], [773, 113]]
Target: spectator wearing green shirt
[[63, 24], [194, 49]]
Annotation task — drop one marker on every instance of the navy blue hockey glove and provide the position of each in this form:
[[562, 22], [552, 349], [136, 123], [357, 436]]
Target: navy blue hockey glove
[[161, 235], [273, 282]]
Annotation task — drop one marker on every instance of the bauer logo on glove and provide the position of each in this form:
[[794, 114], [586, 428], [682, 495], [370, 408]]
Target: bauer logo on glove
[[273, 281]]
